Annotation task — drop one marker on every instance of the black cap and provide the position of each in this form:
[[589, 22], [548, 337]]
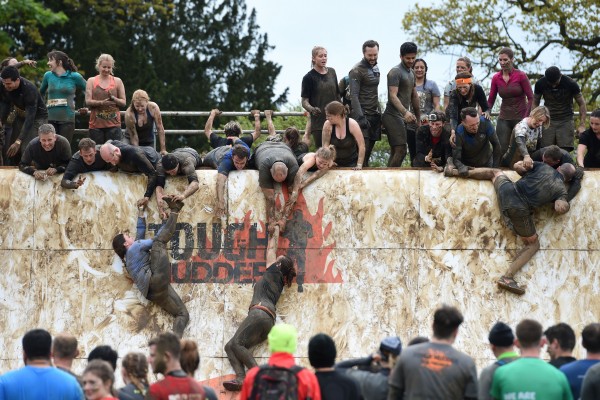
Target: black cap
[[501, 335], [552, 74], [321, 351], [169, 162]]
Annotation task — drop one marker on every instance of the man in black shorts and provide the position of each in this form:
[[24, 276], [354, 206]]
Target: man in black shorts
[[261, 315], [399, 119], [539, 185]]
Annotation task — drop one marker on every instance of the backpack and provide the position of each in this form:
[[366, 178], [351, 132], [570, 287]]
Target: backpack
[[276, 383]]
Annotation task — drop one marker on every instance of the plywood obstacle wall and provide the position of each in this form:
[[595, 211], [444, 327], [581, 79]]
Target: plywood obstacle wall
[[379, 250]]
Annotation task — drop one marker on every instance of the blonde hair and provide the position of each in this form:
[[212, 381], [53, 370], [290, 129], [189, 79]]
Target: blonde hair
[[539, 112], [140, 95], [326, 153], [315, 51], [105, 57]]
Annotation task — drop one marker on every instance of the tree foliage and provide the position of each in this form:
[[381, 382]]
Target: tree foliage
[[188, 55], [565, 31], [24, 18]]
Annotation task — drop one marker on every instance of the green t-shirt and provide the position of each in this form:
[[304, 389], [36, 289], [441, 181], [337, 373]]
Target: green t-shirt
[[530, 378]]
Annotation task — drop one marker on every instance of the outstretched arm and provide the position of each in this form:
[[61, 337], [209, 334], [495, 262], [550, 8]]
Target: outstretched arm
[[256, 115], [270, 203], [270, 126], [221, 181], [140, 231], [209, 122], [289, 204], [315, 175], [272, 246]]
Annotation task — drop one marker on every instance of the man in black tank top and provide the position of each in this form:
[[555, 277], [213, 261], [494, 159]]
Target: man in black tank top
[[261, 315]]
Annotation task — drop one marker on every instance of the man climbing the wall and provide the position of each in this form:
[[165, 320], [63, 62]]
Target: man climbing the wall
[[147, 262], [261, 316]]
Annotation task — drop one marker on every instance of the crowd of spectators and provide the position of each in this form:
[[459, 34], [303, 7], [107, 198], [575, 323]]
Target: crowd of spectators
[[431, 368]]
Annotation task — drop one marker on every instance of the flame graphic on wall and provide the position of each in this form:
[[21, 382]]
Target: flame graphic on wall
[[236, 252]]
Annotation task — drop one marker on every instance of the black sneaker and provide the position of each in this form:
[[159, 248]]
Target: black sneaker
[[232, 385]]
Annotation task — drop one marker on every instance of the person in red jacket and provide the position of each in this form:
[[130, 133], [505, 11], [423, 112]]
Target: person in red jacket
[[282, 343]]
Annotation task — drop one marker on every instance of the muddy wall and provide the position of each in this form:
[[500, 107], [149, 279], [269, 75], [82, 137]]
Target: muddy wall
[[378, 250]]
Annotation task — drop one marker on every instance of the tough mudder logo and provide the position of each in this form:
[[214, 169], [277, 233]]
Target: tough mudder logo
[[236, 254]]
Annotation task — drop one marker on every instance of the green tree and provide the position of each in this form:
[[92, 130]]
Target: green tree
[[188, 55], [24, 18], [569, 30]]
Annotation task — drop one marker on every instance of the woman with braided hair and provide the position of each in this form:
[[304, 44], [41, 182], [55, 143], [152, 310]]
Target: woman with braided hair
[[134, 369]]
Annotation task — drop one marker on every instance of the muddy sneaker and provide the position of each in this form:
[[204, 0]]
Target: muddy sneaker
[[511, 285], [232, 386], [174, 205]]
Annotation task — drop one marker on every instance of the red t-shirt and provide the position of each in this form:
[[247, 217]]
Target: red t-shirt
[[173, 385]]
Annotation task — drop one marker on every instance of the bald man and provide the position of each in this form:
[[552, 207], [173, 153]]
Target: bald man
[[275, 162], [130, 158]]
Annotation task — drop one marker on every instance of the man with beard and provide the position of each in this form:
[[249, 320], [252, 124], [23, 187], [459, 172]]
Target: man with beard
[[399, 122], [364, 80]]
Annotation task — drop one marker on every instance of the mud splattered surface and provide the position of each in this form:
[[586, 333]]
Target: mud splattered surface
[[381, 249]]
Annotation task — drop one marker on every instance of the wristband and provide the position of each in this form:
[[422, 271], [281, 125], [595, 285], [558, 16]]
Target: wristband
[[18, 141]]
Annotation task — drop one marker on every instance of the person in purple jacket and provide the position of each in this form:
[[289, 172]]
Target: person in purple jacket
[[147, 262], [512, 85]]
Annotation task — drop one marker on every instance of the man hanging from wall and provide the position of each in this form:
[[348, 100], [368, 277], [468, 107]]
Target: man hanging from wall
[[540, 184], [261, 315], [147, 262]]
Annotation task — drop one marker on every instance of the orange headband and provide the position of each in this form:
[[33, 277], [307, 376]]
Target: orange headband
[[463, 81]]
